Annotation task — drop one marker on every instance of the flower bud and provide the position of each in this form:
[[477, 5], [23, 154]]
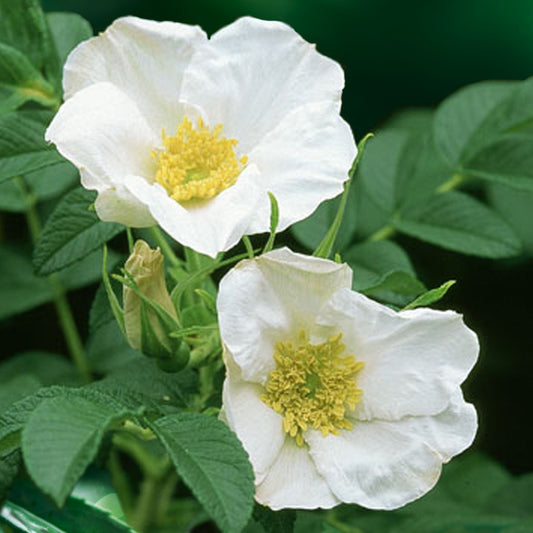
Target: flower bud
[[149, 314]]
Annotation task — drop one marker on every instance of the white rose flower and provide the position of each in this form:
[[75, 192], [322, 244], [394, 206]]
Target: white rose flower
[[335, 397], [173, 128]]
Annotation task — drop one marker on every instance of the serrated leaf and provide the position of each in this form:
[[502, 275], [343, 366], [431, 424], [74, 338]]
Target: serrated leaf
[[22, 145], [459, 118], [458, 222], [71, 233], [68, 30], [21, 290], [370, 261], [431, 296], [61, 439], [20, 81], [211, 460], [397, 288]]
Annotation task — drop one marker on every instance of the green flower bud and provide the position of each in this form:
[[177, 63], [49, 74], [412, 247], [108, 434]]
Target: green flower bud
[[149, 314]]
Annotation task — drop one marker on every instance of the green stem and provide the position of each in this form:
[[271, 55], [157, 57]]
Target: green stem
[[142, 519], [332, 520], [454, 182], [383, 233], [249, 248], [64, 313], [168, 252]]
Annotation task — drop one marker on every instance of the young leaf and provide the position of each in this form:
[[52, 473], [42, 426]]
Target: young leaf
[[370, 261], [458, 222], [211, 460], [61, 439], [68, 30], [431, 296], [71, 233], [22, 145]]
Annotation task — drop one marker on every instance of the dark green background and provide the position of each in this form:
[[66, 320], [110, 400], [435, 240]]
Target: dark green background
[[395, 55]]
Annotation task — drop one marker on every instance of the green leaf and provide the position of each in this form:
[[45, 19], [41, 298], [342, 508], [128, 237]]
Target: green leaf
[[21, 289], [9, 467], [48, 368], [508, 161], [397, 288], [370, 261], [37, 512], [71, 233], [68, 30], [211, 460], [20, 82], [515, 207], [514, 498], [431, 296], [61, 439], [458, 124], [17, 388], [23, 26], [43, 184], [22, 145], [275, 521], [458, 222]]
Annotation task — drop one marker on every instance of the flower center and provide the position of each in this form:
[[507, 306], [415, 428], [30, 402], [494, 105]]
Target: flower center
[[197, 163], [313, 386]]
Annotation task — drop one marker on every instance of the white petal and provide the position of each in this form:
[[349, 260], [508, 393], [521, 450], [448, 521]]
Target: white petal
[[253, 73], [384, 465], [303, 161], [117, 204], [414, 360], [293, 482], [376, 465], [258, 427], [208, 226], [143, 58], [271, 299], [101, 130]]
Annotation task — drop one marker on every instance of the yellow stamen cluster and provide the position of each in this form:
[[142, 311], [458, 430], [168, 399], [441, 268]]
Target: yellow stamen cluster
[[313, 386], [197, 163]]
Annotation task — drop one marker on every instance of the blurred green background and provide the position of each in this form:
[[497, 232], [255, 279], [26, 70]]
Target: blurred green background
[[398, 55]]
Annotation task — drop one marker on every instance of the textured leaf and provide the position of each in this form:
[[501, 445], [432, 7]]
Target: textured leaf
[[370, 261], [68, 30], [61, 439], [22, 145], [275, 522], [17, 388], [458, 222], [9, 467], [460, 116], [71, 233], [211, 460]]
